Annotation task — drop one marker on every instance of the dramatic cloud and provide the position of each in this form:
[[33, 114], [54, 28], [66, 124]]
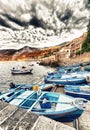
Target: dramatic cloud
[[38, 22]]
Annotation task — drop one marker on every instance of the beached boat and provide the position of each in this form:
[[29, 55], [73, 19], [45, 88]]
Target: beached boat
[[57, 106], [67, 80], [82, 90], [21, 71], [83, 73], [31, 86], [74, 68], [62, 70], [68, 69], [87, 69], [70, 72]]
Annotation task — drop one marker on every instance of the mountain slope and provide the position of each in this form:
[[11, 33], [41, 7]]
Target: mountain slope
[[51, 53]]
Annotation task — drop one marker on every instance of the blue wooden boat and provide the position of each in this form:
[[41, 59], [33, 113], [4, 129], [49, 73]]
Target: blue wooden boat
[[71, 72], [62, 70], [31, 86], [75, 67], [65, 80], [82, 73], [82, 90], [57, 106], [87, 69], [68, 69]]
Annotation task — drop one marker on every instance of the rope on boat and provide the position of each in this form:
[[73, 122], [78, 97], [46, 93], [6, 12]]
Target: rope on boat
[[80, 103]]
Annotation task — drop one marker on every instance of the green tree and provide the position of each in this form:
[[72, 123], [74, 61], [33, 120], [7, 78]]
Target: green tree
[[86, 44]]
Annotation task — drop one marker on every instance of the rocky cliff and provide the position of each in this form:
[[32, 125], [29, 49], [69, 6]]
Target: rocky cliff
[[48, 55], [27, 53]]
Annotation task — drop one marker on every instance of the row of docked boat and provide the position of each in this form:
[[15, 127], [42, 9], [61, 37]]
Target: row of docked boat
[[75, 90], [35, 98], [74, 79], [68, 75]]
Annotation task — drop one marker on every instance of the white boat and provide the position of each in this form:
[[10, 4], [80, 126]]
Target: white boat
[[21, 71]]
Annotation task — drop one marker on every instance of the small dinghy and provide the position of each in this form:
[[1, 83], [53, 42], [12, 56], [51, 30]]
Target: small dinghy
[[82, 90], [21, 71], [57, 106]]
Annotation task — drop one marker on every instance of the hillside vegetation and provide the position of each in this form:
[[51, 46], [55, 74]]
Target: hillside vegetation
[[86, 44]]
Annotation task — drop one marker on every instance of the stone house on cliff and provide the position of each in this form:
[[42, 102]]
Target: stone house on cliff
[[69, 49]]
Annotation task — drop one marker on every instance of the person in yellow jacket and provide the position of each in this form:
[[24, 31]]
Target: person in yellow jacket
[[35, 88]]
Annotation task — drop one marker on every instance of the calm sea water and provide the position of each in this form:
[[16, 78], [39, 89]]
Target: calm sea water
[[6, 77]]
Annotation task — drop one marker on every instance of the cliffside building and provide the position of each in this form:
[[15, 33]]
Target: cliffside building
[[69, 49]]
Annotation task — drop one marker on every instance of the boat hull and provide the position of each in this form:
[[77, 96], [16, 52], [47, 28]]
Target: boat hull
[[65, 117], [86, 96], [82, 91], [69, 81], [17, 73]]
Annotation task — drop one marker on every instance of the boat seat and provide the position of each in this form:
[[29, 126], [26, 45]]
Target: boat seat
[[58, 104], [21, 97], [37, 105], [50, 110], [62, 105]]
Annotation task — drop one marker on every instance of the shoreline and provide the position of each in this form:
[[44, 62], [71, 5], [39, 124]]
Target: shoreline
[[79, 59]]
